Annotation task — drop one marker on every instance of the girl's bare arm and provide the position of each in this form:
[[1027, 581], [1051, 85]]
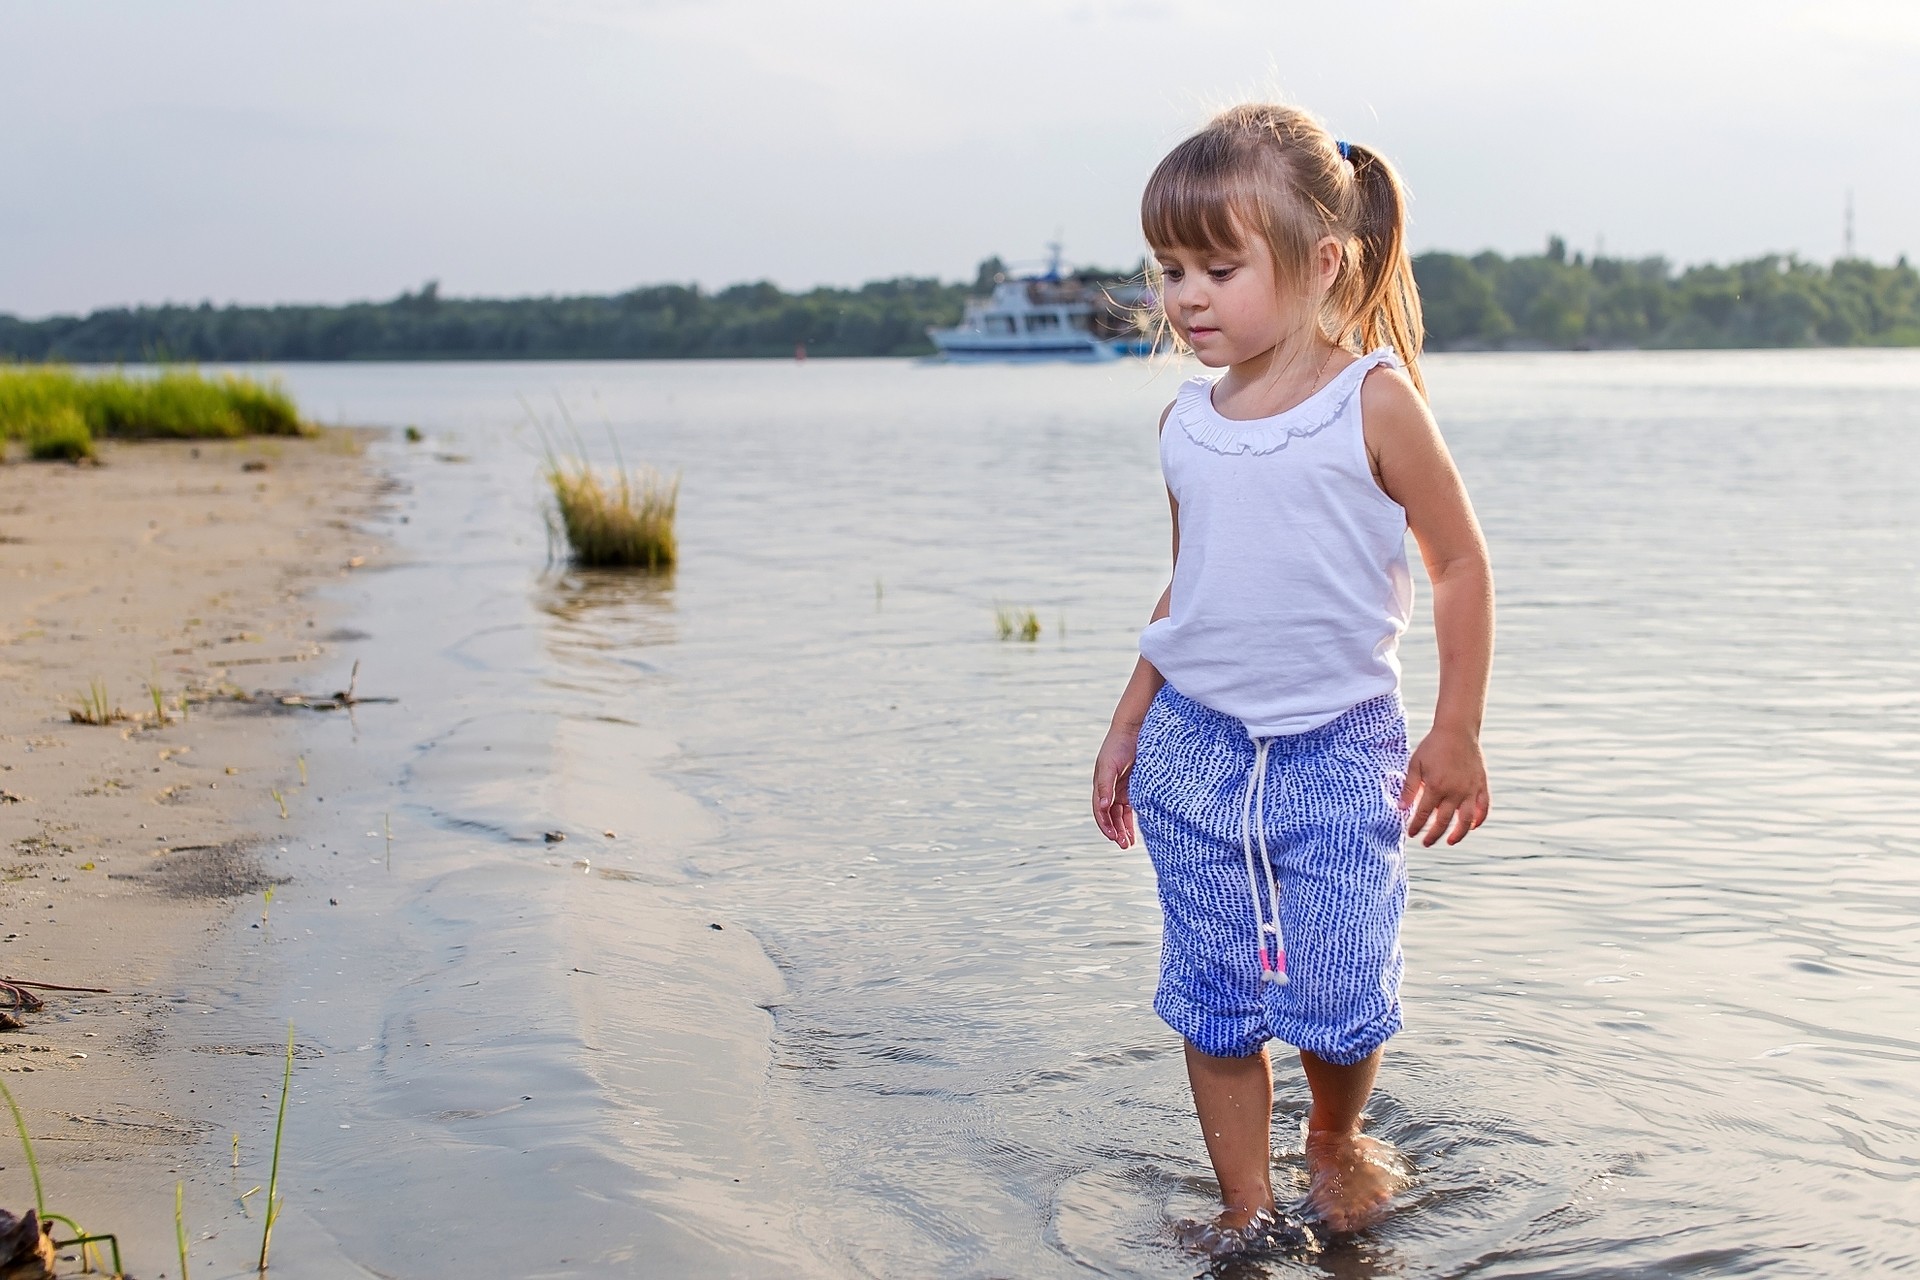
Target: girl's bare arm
[[1446, 792], [1111, 810]]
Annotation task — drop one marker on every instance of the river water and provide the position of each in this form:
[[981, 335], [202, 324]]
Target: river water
[[1663, 1011]]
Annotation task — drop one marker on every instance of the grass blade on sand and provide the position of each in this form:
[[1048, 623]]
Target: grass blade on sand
[[273, 1173], [26, 1143], [180, 1224]]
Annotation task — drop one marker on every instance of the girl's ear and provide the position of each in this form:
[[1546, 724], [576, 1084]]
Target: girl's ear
[[1328, 254]]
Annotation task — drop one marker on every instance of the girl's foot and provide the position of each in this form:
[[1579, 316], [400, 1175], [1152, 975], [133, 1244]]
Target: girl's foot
[[1229, 1232], [1352, 1179]]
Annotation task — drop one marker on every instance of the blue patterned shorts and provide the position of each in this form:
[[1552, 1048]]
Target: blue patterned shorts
[[1307, 819]]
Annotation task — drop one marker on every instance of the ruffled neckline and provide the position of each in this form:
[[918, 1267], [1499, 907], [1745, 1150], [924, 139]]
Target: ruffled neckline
[[1204, 425]]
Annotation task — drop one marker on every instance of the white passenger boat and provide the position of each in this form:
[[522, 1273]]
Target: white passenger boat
[[1047, 317]]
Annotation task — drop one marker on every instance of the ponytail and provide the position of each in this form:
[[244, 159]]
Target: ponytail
[[1386, 305]]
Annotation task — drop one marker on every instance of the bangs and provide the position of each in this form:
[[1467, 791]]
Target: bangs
[[1194, 202]]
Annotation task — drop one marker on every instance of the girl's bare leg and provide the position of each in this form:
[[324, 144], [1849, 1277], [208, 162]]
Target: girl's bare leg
[[1234, 1099], [1352, 1177]]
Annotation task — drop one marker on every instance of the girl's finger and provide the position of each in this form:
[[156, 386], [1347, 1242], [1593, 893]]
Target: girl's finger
[[1422, 811], [1442, 817], [1462, 823], [1410, 786]]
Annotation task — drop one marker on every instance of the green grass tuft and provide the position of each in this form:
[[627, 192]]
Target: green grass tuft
[[621, 523], [95, 707], [56, 434], [1016, 624], [59, 413]]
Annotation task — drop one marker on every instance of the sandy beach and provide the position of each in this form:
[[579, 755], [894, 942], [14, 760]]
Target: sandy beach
[[140, 855], [186, 568]]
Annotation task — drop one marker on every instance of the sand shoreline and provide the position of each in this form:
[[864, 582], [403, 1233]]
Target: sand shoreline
[[485, 1033], [189, 568]]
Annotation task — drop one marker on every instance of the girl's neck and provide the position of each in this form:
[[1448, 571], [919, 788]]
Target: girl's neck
[[1279, 378]]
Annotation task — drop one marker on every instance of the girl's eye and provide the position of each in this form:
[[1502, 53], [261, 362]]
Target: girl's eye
[[1221, 273], [1171, 273]]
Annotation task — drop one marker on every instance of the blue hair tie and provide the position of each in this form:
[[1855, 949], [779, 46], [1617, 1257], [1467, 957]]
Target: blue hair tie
[[1343, 148]]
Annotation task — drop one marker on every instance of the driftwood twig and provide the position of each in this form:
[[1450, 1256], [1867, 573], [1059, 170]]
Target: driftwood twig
[[54, 986], [347, 697]]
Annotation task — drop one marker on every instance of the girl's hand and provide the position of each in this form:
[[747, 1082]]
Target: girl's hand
[[1110, 769], [1446, 788]]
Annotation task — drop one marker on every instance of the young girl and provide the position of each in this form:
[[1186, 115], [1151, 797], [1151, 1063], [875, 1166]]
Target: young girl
[[1261, 743]]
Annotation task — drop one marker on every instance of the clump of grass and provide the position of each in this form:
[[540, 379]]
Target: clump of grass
[[414, 435], [57, 433], [273, 1174], [59, 413], [95, 707], [264, 408], [1016, 624], [619, 523]]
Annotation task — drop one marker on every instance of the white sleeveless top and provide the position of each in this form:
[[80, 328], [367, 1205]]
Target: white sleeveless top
[[1292, 586]]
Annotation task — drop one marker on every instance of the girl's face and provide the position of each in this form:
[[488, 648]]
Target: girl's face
[[1227, 305]]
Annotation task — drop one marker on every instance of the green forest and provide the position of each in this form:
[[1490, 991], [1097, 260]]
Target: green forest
[[1550, 300], [1554, 301]]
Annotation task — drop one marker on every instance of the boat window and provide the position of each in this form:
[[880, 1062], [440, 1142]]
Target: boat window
[[999, 324], [1042, 320]]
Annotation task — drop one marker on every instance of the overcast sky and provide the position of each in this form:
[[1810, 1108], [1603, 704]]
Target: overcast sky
[[297, 151]]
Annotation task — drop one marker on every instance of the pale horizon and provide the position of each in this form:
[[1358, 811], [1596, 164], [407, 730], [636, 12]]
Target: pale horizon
[[351, 152]]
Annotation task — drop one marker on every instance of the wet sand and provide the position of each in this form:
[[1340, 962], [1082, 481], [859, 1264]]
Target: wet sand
[[127, 845], [528, 1034]]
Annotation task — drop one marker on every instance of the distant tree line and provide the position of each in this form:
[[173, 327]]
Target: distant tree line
[[886, 318], [1487, 301], [1556, 302]]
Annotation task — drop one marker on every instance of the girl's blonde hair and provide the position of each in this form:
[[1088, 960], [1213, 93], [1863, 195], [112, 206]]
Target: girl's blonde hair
[[1277, 172]]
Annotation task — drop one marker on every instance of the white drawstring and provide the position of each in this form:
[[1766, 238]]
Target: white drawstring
[[1273, 967]]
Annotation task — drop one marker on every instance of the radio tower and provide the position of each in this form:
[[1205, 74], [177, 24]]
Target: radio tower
[[1849, 231]]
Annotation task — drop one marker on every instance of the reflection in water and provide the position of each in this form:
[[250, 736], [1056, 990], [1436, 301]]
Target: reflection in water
[[602, 622], [631, 606], [1659, 1007]]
